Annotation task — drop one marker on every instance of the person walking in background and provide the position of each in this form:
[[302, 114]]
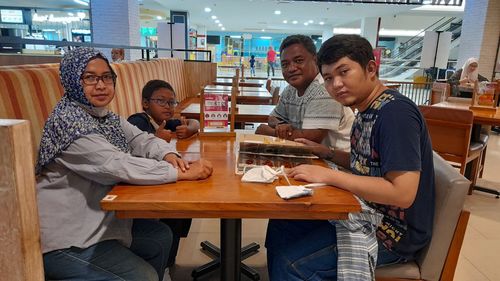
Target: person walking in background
[[271, 59], [252, 65]]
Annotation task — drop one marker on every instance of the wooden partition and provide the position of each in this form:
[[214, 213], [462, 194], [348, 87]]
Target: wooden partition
[[17, 59], [198, 75], [20, 254]]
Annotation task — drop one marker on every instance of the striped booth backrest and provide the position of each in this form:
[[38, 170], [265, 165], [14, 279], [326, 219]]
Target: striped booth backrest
[[174, 72], [131, 77], [30, 93]]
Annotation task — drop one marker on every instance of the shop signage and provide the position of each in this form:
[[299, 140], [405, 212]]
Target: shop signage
[[11, 16]]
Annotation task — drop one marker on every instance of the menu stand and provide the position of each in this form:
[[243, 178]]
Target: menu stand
[[484, 97], [218, 132]]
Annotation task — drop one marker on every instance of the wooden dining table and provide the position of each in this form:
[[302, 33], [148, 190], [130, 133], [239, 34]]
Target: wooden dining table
[[245, 83], [224, 196], [482, 117], [245, 95], [220, 88], [247, 113]]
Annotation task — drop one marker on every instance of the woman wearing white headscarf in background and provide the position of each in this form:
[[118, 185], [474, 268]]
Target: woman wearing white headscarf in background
[[465, 78], [85, 150]]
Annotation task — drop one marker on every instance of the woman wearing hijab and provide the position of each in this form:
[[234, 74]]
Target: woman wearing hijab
[[462, 81], [86, 149]]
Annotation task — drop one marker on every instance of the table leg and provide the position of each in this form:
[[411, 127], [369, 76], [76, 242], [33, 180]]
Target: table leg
[[230, 255]]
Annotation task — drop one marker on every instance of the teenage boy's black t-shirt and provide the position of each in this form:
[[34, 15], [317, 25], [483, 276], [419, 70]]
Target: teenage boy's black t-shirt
[[391, 135]]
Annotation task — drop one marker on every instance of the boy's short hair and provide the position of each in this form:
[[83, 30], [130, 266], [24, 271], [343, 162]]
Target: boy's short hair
[[305, 41], [154, 85], [354, 47]]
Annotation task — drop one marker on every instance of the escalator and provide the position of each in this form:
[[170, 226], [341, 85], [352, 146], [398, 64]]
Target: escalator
[[407, 57]]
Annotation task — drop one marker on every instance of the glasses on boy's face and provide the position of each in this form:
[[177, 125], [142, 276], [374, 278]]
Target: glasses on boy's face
[[164, 102], [94, 79]]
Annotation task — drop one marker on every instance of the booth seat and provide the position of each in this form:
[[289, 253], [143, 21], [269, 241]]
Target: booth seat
[[31, 92]]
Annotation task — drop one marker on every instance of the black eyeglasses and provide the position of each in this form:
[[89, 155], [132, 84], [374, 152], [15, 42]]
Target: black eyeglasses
[[94, 79], [163, 102]]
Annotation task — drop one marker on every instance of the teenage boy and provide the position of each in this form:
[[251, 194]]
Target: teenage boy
[[391, 165]]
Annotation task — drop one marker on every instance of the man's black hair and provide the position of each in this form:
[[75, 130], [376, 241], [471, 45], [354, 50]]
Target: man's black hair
[[154, 85], [305, 41], [354, 47]]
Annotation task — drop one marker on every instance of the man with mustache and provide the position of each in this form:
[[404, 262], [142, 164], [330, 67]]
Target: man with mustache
[[305, 110]]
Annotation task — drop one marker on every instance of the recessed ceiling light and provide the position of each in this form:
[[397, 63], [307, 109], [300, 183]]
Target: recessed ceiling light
[[223, 28], [217, 21], [220, 24], [214, 17], [306, 23], [310, 21], [208, 10], [158, 17], [285, 21], [263, 30], [295, 22], [321, 23], [277, 12]]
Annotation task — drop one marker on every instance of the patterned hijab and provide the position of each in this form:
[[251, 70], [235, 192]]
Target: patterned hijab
[[465, 70], [73, 115]]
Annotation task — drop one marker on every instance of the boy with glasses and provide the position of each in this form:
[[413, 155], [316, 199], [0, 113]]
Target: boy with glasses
[[158, 102]]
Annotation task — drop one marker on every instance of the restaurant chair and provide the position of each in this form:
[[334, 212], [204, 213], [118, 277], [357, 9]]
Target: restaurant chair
[[276, 95], [439, 259], [450, 130]]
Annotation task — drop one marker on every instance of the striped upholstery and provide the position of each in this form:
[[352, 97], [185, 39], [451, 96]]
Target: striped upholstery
[[31, 91], [31, 94]]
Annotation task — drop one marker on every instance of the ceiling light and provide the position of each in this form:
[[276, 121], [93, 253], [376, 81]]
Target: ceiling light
[[321, 22], [285, 21], [158, 17], [294, 22], [277, 12], [220, 24], [235, 36], [310, 21], [306, 23], [346, 30], [263, 30], [214, 17], [217, 21], [207, 9], [81, 2], [223, 28], [266, 37]]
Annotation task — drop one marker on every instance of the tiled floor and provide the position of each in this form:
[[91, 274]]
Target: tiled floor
[[479, 259]]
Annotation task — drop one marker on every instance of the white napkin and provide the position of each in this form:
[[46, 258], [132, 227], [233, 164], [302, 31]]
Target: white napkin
[[264, 174], [292, 191]]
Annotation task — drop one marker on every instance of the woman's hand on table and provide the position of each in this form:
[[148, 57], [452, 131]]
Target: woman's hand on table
[[198, 170], [177, 162]]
